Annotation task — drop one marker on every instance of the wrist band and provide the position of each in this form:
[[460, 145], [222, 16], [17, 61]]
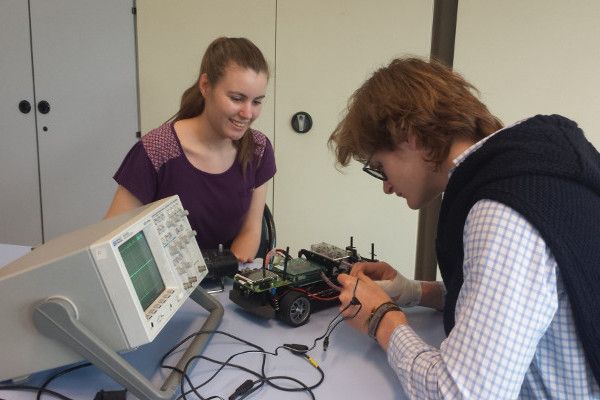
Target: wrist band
[[377, 315]]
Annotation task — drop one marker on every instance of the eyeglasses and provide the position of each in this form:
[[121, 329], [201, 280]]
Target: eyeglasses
[[374, 172]]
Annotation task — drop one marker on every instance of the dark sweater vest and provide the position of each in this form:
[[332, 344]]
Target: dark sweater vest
[[546, 170]]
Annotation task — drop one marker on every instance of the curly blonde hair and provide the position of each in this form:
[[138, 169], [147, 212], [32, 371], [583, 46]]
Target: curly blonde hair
[[411, 97]]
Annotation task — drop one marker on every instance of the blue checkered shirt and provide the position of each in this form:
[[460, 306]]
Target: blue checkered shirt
[[514, 335]]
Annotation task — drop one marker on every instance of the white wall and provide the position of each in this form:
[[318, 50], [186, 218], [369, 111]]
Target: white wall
[[526, 57], [172, 37], [533, 57], [320, 53]]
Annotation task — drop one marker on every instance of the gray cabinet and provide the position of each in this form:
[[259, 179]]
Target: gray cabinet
[[56, 162]]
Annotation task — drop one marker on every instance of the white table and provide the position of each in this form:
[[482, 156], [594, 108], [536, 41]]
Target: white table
[[355, 366]]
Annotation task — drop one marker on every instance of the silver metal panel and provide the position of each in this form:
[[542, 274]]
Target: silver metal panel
[[22, 342]]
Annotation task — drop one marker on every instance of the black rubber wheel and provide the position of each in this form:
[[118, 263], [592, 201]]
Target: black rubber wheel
[[294, 308]]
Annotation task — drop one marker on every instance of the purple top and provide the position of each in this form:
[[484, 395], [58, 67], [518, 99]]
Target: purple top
[[156, 167]]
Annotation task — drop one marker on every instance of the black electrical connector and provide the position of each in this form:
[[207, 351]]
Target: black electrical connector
[[296, 348], [326, 343], [355, 301], [242, 389], [111, 395]]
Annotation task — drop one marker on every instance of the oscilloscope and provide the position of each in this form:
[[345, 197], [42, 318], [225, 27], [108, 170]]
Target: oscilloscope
[[112, 284]]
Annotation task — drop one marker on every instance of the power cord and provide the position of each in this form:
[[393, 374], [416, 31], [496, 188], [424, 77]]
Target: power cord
[[246, 388], [250, 386], [43, 389], [242, 389], [57, 375], [33, 388], [262, 377], [334, 323]]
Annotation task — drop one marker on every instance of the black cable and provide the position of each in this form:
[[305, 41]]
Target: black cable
[[34, 388], [326, 341], [184, 372], [262, 376], [194, 388], [57, 375], [244, 388], [294, 348], [222, 366], [245, 391], [187, 378], [309, 388], [183, 395], [267, 379], [306, 388], [329, 330], [225, 363]]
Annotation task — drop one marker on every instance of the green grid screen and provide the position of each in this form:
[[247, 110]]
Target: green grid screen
[[142, 269]]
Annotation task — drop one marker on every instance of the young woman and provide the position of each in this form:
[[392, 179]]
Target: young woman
[[517, 240], [208, 154]]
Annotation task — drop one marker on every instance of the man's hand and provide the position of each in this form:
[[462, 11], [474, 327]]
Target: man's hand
[[368, 296], [377, 271], [405, 292]]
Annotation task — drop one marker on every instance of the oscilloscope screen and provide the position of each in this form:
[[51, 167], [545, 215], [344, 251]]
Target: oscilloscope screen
[[142, 269]]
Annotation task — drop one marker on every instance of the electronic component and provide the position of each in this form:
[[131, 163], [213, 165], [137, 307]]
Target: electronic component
[[330, 251], [220, 262], [117, 282], [290, 288]]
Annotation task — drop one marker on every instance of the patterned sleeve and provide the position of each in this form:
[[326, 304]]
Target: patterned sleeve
[[265, 167], [137, 174], [505, 305]]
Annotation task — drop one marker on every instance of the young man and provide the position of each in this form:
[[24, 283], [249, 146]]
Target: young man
[[518, 240]]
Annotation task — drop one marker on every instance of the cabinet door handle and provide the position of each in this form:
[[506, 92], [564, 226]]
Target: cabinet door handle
[[24, 106], [44, 107], [301, 122]]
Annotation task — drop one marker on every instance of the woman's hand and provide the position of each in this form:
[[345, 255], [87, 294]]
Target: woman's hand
[[246, 243], [244, 246]]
